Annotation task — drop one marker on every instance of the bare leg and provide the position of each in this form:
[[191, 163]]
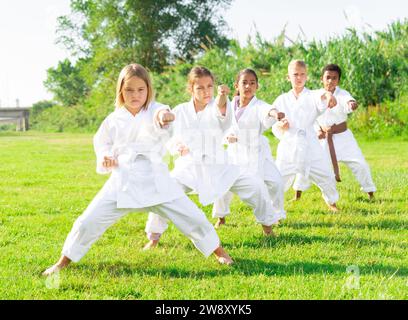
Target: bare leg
[[62, 263], [371, 195]]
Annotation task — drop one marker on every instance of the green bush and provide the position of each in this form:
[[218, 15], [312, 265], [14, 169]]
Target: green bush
[[375, 72], [387, 120]]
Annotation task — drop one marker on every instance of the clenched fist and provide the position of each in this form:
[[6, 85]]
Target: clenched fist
[[331, 100], [232, 138], [353, 104], [276, 114], [165, 117], [109, 162], [223, 90], [283, 124]]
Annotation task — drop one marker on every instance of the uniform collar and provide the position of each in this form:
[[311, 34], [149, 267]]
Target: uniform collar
[[124, 113], [292, 93]]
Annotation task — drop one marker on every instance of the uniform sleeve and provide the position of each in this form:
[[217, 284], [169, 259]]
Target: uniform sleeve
[[320, 105], [344, 98], [103, 143], [233, 130], [224, 121], [176, 139], [173, 145], [316, 125], [276, 131], [263, 116], [278, 105]]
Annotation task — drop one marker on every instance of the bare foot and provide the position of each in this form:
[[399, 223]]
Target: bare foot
[[333, 207], [219, 222], [51, 270], [150, 245], [222, 256], [62, 263], [371, 196], [268, 232]]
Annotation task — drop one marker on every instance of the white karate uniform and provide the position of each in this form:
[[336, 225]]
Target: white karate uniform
[[347, 149], [253, 154], [206, 169], [140, 182], [299, 150]]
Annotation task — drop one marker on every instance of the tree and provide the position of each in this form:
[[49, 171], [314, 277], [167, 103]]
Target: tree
[[112, 33], [66, 83], [40, 106]]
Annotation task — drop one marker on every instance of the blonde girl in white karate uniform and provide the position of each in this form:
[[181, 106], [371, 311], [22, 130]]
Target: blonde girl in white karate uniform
[[203, 165], [130, 145], [345, 148], [248, 147], [299, 151]]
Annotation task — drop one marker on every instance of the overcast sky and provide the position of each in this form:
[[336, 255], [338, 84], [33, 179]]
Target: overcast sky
[[28, 49]]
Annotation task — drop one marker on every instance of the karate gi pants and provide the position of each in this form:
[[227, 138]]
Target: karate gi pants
[[251, 189], [102, 213], [349, 153], [320, 174], [274, 184]]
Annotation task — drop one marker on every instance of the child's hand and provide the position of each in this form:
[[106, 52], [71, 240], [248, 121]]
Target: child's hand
[[276, 114], [283, 124], [352, 104], [331, 100], [165, 118], [232, 138], [223, 90], [321, 134], [183, 150], [221, 99], [109, 162]]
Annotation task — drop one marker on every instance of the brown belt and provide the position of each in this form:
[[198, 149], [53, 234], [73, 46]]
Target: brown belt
[[334, 129]]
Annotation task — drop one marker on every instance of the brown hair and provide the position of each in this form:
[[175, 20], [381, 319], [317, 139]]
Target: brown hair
[[133, 70], [240, 74], [196, 73]]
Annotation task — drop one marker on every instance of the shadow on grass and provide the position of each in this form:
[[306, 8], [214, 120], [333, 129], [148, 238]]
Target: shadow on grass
[[379, 200], [242, 267], [383, 224], [283, 240]]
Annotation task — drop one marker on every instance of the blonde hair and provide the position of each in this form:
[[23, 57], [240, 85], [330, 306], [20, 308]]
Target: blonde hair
[[297, 63], [196, 73], [133, 70]]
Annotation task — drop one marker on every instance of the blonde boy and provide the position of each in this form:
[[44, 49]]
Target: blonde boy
[[299, 151]]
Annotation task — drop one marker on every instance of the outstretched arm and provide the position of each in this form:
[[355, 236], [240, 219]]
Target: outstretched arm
[[164, 118], [329, 98], [221, 99]]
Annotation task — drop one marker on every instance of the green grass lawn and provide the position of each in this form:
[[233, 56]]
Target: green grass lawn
[[47, 180]]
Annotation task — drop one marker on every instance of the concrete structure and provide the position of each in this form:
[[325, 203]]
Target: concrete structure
[[17, 115]]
